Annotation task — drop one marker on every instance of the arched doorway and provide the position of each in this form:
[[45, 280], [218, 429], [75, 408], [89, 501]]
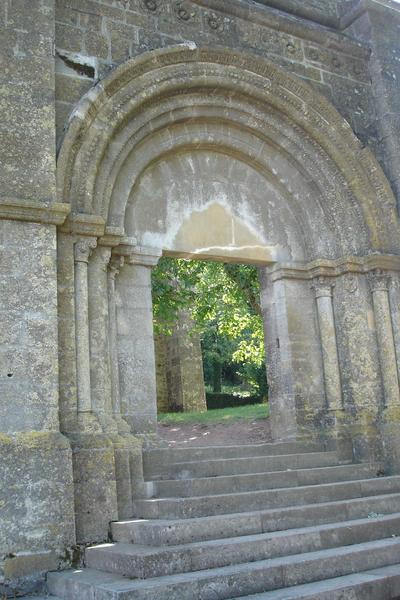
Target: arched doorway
[[209, 153]]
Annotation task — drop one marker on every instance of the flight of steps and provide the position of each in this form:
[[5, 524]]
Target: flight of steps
[[262, 522]]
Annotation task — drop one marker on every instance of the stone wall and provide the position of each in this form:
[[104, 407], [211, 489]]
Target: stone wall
[[37, 525], [76, 359], [179, 364], [105, 34]]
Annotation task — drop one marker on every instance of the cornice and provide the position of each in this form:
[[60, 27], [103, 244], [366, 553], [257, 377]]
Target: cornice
[[293, 25], [84, 224], [16, 209], [334, 268], [137, 255]]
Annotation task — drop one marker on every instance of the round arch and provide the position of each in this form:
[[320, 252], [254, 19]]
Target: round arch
[[324, 194]]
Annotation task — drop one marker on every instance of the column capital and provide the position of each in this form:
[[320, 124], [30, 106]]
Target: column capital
[[378, 280], [115, 265], [102, 255], [144, 256], [323, 287], [83, 248]]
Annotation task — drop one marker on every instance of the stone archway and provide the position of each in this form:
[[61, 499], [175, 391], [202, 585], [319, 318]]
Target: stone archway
[[209, 153]]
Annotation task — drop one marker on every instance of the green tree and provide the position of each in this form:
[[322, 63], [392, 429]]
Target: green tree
[[223, 300]]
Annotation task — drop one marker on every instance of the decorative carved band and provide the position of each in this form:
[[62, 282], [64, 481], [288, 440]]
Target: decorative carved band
[[35, 212], [84, 224], [334, 268]]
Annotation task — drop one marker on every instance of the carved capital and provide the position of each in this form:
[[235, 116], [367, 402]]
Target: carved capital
[[115, 265], [378, 280], [83, 249], [323, 287], [144, 256], [103, 255]]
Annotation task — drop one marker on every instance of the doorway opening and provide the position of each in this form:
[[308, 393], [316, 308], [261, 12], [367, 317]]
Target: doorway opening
[[210, 352]]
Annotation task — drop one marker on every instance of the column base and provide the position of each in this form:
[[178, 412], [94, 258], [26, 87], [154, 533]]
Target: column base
[[390, 433], [95, 485], [365, 436], [37, 525], [337, 435], [151, 441]]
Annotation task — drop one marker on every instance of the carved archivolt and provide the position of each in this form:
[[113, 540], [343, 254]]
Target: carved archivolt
[[180, 98]]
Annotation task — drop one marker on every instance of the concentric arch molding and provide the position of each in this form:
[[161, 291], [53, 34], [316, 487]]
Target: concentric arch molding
[[133, 97]]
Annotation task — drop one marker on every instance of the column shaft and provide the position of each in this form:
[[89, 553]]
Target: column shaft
[[136, 342], [115, 265], [82, 252], [384, 331], [330, 359]]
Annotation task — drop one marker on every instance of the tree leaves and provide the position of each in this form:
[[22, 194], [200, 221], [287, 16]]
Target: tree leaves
[[224, 303]]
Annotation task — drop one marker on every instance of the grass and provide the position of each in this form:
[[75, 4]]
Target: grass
[[216, 416]]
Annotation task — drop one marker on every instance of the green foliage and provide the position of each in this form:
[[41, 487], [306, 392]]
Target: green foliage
[[215, 416], [223, 300]]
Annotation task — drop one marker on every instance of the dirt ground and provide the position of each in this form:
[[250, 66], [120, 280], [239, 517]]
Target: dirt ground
[[238, 432]]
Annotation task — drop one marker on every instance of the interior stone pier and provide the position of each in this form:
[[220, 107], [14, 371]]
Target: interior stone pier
[[135, 339]]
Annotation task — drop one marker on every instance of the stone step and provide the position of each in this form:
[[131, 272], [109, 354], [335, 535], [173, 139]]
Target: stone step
[[171, 455], [234, 466], [147, 561], [42, 597], [201, 506], [228, 582], [378, 584], [173, 532], [259, 481]]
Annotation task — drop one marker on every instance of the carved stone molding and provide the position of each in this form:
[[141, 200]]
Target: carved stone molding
[[184, 11], [144, 256], [20, 210], [350, 283], [84, 224], [151, 5], [215, 22], [103, 255], [125, 247], [115, 265], [322, 287], [83, 249], [112, 236], [378, 280], [351, 265]]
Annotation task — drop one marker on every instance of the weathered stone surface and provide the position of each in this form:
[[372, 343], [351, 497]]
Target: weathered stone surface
[[179, 369], [223, 143]]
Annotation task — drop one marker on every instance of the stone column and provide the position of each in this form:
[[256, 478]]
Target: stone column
[[104, 387], [128, 455], [379, 284], [293, 355], [93, 451], [136, 341], [333, 389], [115, 266], [99, 333], [82, 250], [390, 419]]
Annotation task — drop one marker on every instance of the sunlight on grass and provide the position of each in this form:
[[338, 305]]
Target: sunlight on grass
[[218, 415]]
